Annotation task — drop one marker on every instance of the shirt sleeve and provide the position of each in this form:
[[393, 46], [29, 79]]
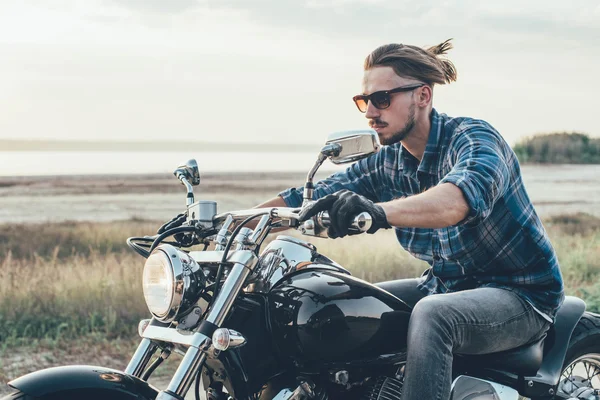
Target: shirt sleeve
[[362, 177], [480, 170]]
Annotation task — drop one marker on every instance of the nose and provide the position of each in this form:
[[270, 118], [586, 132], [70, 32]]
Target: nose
[[372, 112]]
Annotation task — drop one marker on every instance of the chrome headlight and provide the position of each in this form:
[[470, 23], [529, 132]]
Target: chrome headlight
[[172, 282]]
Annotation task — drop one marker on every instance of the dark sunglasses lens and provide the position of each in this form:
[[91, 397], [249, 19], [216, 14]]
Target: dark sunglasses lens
[[380, 100], [361, 103]]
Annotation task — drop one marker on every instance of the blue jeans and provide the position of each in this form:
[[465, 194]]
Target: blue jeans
[[477, 321]]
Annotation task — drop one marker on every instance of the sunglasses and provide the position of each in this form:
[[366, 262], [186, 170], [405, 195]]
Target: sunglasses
[[381, 99]]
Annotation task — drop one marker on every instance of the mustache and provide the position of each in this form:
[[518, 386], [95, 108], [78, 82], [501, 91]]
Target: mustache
[[377, 122]]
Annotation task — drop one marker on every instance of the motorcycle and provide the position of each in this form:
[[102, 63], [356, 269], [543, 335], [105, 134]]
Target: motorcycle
[[289, 323]]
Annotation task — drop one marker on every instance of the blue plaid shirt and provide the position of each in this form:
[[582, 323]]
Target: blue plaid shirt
[[501, 243]]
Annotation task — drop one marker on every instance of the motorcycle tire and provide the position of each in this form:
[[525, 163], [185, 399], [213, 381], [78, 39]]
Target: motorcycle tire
[[582, 359]]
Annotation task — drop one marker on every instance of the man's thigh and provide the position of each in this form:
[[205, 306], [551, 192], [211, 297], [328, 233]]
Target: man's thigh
[[482, 320]]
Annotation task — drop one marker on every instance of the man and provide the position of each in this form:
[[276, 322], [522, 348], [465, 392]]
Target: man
[[452, 189]]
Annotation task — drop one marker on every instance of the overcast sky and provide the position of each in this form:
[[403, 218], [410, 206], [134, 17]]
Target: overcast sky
[[283, 70]]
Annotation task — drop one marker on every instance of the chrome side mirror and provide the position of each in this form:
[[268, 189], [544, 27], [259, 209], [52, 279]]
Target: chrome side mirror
[[189, 175], [353, 145], [341, 148], [189, 171]]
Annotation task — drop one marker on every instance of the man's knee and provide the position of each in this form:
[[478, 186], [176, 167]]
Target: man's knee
[[436, 305], [432, 312]]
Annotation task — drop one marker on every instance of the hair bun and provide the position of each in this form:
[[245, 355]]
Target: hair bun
[[441, 48]]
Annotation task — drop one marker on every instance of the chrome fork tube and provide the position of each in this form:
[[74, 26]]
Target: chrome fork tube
[[194, 357], [186, 373], [228, 294], [141, 357]]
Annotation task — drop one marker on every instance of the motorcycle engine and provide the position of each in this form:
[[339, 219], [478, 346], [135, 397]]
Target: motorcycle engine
[[384, 387]]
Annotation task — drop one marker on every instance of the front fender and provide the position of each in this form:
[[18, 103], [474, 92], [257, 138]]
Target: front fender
[[83, 382]]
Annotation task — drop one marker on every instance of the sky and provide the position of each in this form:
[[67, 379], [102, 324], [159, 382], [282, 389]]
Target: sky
[[283, 71]]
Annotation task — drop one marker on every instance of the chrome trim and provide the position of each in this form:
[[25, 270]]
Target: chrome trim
[[203, 212], [277, 212], [172, 335], [242, 239], [228, 293], [186, 372], [188, 280], [194, 357], [189, 171], [234, 338], [141, 357], [355, 144], [261, 231], [189, 175], [307, 196], [470, 388], [239, 215], [245, 257], [215, 257], [317, 225], [209, 257], [286, 213], [166, 396], [222, 236], [283, 256], [361, 223]]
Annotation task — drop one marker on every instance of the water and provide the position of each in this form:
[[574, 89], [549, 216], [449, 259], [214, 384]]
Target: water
[[24, 163], [554, 189]]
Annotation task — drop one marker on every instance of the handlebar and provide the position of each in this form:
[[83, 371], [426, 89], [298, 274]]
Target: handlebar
[[316, 226], [361, 223]]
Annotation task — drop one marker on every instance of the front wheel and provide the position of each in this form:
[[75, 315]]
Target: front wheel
[[580, 377]]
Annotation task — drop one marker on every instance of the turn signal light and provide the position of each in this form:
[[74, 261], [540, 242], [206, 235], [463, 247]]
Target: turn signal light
[[224, 339]]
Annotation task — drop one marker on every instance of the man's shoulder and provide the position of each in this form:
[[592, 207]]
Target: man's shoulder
[[458, 125], [467, 128]]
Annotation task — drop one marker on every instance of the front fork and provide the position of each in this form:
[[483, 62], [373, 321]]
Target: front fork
[[196, 342]]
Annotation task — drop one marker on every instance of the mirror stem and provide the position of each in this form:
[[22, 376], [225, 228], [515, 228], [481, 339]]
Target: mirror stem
[[190, 190], [309, 187]]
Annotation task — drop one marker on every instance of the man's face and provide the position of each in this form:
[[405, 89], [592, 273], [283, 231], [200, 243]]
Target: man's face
[[394, 123]]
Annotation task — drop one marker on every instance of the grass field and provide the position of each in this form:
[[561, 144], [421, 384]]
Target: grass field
[[66, 288]]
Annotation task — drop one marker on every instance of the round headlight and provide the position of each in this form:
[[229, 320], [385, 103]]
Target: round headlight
[[158, 282], [172, 282]]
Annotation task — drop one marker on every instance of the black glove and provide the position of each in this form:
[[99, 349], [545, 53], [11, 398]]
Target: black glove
[[343, 206]]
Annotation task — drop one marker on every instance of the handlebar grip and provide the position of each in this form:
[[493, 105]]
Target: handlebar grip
[[361, 223]]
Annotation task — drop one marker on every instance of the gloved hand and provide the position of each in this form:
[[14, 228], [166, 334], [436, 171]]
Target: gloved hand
[[343, 206]]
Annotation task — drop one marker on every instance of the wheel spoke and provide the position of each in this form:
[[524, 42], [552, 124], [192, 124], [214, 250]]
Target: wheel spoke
[[582, 372]]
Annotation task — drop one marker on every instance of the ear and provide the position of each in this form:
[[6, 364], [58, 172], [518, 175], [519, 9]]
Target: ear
[[424, 96]]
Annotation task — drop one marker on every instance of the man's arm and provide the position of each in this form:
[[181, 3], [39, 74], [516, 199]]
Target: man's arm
[[276, 201], [438, 207]]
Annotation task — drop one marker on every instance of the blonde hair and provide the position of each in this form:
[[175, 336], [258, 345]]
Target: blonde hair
[[422, 64]]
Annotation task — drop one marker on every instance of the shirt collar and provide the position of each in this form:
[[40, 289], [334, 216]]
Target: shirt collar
[[429, 162]]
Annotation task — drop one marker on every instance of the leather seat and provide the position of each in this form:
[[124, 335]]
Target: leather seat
[[524, 360]]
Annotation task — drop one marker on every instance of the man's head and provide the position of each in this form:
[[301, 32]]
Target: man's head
[[398, 87]]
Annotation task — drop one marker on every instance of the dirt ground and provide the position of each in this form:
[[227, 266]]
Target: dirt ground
[[554, 189]]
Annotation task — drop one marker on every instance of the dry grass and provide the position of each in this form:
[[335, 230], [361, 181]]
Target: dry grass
[[78, 297]]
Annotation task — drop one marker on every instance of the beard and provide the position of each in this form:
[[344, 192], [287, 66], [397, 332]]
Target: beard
[[402, 133]]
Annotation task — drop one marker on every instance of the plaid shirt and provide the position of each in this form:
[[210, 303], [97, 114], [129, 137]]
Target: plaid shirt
[[501, 243]]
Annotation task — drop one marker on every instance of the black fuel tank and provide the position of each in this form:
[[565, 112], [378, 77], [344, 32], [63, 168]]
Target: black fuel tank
[[328, 317]]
